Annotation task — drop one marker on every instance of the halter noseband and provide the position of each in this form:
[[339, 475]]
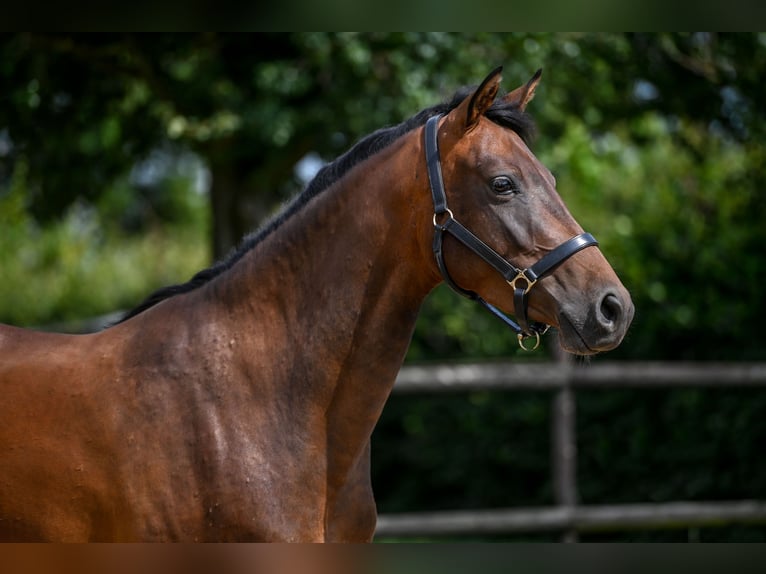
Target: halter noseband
[[520, 280]]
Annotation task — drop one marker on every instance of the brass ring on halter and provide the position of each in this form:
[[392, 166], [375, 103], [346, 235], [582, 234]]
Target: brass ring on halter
[[448, 213], [522, 276], [523, 336]]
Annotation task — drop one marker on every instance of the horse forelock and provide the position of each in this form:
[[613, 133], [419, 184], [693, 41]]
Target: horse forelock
[[501, 113]]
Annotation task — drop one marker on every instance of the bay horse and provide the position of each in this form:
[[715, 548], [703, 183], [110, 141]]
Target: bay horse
[[239, 406]]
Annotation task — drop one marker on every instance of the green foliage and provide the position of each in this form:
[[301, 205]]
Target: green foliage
[[85, 264]]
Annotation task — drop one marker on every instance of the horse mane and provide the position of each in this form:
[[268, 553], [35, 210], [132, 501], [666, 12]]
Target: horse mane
[[501, 113]]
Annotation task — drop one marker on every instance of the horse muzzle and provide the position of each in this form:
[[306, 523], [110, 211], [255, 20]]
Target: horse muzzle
[[598, 326]]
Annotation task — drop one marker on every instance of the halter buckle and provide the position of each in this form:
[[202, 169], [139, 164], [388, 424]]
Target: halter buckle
[[523, 336], [523, 277]]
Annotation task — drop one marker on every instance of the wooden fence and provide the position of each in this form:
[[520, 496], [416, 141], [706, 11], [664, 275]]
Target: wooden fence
[[567, 516]]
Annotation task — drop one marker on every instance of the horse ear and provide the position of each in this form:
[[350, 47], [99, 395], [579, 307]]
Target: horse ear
[[482, 98], [522, 95], [466, 115]]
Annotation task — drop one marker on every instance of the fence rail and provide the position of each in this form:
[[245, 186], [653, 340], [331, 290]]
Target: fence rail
[[551, 376], [567, 516], [591, 518]]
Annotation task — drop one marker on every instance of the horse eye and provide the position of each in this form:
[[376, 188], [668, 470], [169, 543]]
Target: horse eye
[[504, 185]]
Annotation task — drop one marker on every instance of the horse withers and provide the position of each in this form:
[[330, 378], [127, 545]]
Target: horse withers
[[239, 406]]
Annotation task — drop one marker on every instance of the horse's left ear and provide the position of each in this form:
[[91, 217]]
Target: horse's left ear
[[522, 95]]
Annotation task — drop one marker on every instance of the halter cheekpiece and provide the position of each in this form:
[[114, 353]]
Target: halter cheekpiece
[[520, 280]]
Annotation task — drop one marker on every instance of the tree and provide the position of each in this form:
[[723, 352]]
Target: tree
[[82, 108]]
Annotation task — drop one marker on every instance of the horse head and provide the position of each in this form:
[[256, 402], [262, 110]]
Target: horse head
[[503, 233]]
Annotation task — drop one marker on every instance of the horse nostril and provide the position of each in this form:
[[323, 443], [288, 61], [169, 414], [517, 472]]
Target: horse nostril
[[611, 309]]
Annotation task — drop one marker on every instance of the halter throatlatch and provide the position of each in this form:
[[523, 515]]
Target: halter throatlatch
[[520, 280]]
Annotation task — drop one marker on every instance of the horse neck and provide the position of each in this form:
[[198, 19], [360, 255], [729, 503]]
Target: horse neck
[[336, 289]]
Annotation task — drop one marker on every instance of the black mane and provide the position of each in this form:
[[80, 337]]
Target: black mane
[[503, 114]]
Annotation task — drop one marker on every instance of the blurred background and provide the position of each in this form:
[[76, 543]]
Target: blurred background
[[129, 162]]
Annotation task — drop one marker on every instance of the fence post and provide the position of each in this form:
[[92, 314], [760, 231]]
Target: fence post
[[564, 442]]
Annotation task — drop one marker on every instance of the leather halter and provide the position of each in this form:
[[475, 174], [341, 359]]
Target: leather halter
[[520, 280]]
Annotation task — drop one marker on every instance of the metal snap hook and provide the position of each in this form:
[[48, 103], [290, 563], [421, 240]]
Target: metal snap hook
[[523, 336]]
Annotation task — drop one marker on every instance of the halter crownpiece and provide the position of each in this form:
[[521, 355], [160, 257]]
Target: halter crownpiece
[[520, 280]]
